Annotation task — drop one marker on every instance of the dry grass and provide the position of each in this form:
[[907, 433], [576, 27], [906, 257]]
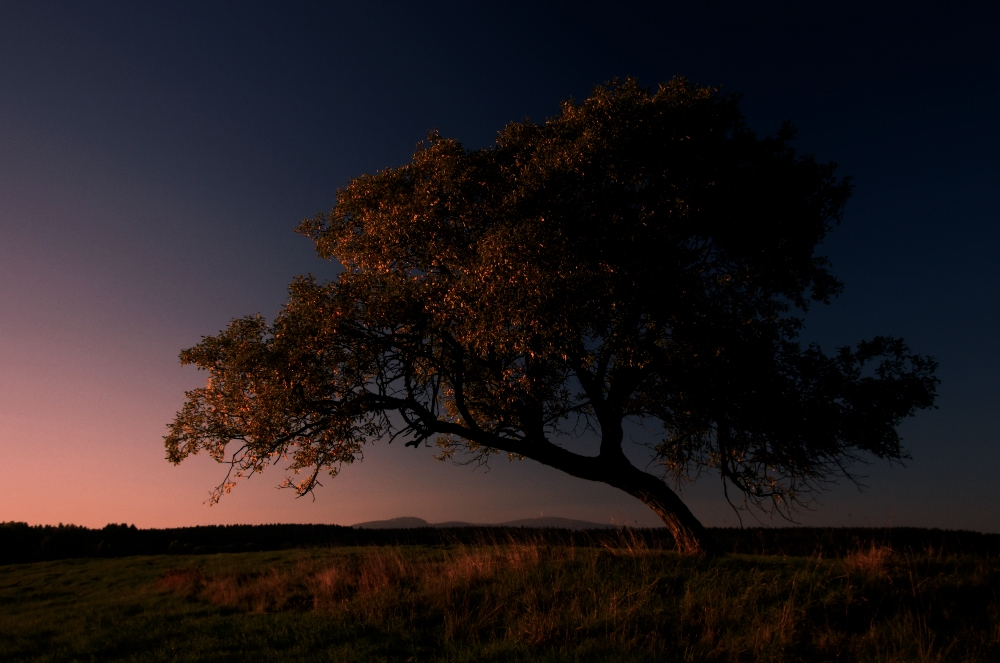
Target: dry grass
[[876, 560], [872, 605]]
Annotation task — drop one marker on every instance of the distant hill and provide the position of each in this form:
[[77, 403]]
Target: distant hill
[[409, 522], [394, 523], [555, 521]]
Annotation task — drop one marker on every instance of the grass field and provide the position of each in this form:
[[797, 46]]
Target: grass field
[[514, 601]]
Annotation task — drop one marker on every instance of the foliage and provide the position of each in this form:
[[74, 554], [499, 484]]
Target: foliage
[[514, 601], [642, 255]]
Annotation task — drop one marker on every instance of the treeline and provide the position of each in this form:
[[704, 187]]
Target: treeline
[[20, 542]]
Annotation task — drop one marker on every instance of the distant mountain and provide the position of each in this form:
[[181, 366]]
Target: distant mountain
[[394, 523], [457, 523], [555, 521], [409, 522]]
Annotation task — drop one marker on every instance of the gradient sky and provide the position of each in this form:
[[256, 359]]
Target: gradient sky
[[154, 158]]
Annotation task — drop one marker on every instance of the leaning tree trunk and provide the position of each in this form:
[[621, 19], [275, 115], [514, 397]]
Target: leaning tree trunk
[[613, 468], [688, 532]]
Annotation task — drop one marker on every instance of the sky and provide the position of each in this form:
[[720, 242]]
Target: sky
[[155, 158]]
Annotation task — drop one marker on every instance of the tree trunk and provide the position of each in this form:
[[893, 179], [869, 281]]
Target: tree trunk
[[613, 468], [688, 532]]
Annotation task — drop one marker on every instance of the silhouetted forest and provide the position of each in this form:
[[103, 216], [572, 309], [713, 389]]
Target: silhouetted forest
[[20, 542]]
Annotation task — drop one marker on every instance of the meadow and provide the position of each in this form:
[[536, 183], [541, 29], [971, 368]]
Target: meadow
[[507, 598]]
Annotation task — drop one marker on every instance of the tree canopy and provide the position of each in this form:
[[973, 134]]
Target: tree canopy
[[642, 255]]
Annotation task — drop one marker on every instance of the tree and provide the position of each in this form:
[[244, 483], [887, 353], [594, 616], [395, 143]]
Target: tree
[[641, 256]]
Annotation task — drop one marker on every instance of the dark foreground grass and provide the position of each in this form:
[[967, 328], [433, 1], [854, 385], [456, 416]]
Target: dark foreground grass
[[514, 601]]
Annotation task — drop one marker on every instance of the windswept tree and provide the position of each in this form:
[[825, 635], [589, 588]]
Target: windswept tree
[[640, 256]]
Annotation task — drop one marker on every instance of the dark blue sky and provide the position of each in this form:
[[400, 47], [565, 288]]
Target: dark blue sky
[[154, 158]]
